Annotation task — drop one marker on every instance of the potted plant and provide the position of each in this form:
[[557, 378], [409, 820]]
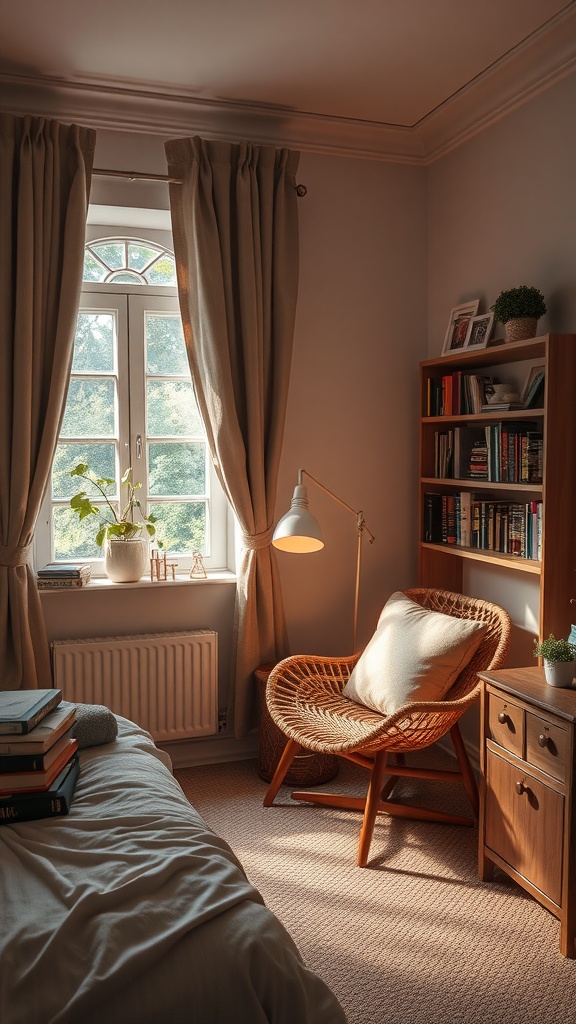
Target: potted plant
[[119, 534], [559, 660], [519, 309]]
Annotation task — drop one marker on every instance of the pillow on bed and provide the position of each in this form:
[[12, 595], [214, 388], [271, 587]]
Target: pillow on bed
[[415, 654]]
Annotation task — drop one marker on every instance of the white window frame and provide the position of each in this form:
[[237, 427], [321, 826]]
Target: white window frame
[[131, 302]]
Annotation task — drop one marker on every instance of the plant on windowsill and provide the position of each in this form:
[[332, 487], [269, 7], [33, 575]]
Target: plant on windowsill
[[119, 534], [559, 660], [519, 309]]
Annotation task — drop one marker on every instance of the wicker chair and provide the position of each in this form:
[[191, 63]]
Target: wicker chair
[[304, 697]]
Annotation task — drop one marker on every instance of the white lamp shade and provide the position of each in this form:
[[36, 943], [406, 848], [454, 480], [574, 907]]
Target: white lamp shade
[[298, 531]]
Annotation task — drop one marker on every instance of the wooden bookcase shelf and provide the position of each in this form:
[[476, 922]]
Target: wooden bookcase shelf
[[442, 565]]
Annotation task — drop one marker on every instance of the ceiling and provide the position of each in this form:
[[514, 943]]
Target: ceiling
[[379, 67]]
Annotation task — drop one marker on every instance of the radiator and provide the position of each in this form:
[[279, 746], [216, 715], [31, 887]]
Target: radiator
[[165, 682]]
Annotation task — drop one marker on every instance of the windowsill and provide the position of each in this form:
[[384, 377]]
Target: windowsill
[[103, 583]]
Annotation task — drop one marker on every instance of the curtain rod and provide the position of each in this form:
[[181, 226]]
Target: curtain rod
[[301, 190]]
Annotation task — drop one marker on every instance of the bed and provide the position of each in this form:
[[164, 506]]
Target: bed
[[130, 909]]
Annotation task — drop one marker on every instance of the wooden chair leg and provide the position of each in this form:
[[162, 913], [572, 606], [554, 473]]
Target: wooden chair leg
[[468, 777], [288, 754], [372, 805]]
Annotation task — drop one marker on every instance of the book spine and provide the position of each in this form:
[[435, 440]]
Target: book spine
[[42, 805], [62, 584]]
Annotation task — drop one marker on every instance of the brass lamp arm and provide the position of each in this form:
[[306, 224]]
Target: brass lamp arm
[[360, 521]]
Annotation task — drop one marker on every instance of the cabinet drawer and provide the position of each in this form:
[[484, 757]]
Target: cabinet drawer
[[506, 723], [546, 745], [524, 824]]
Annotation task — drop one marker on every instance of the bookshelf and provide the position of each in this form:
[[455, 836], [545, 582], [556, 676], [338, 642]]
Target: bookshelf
[[441, 564]]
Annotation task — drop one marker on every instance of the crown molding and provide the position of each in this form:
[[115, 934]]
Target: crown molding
[[529, 69], [134, 106]]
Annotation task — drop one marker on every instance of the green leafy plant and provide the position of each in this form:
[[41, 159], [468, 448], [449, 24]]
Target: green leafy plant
[[555, 650], [116, 525], [518, 303]]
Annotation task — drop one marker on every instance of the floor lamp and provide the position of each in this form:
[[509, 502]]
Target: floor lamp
[[299, 532]]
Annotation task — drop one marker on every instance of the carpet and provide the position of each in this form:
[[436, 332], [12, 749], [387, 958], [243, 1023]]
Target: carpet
[[415, 937]]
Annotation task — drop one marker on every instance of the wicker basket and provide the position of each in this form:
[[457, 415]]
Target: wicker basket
[[520, 329], [308, 768]]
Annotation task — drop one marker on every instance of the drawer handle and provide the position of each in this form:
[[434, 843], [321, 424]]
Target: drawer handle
[[520, 788], [502, 718], [542, 740]]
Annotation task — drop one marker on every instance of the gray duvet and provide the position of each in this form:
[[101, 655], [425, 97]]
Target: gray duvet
[[130, 910]]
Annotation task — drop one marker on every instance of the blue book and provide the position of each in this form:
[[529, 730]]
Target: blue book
[[21, 710], [51, 803]]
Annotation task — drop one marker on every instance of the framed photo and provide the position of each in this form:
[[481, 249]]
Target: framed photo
[[479, 331], [458, 325], [534, 383]]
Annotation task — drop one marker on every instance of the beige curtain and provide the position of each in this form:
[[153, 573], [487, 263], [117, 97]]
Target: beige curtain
[[235, 227], [45, 170]]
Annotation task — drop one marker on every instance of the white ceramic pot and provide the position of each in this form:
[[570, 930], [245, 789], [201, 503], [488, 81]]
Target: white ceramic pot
[[559, 673], [126, 561]]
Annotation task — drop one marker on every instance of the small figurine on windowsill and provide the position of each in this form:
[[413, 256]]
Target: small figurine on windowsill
[[160, 567], [198, 572]]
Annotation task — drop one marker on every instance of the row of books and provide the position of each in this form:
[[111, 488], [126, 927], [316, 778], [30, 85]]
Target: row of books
[[507, 452], [461, 394], [508, 527], [63, 575], [39, 762]]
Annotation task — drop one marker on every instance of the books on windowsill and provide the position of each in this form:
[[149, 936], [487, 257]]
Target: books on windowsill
[[21, 710], [62, 575]]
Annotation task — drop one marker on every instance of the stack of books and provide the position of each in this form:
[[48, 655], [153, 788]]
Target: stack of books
[[63, 574], [39, 762]]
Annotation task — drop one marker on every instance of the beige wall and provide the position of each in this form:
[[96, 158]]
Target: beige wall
[[360, 333]]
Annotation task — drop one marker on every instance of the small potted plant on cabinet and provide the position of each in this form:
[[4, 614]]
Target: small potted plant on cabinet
[[519, 309], [120, 536], [559, 660]]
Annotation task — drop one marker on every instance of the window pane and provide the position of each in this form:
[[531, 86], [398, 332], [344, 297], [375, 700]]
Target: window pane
[[74, 539], [100, 457], [162, 272], [94, 343], [111, 253], [176, 469], [181, 526], [139, 256], [125, 277], [90, 408], [171, 409], [165, 348], [93, 269]]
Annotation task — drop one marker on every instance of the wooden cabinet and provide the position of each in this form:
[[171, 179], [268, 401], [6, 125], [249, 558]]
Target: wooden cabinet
[[441, 564], [527, 817]]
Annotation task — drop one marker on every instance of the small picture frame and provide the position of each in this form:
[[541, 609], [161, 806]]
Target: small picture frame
[[534, 378], [479, 331], [458, 326]]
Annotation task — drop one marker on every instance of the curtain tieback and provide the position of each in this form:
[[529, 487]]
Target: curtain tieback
[[13, 555], [257, 541]]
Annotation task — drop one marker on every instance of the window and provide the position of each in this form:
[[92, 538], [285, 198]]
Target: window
[[131, 403]]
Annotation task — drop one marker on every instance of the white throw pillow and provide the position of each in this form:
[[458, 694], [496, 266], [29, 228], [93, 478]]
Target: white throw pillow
[[415, 654]]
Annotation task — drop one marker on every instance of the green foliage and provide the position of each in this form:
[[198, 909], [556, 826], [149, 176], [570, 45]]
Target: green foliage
[[555, 650], [517, 303], [119, 525]]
